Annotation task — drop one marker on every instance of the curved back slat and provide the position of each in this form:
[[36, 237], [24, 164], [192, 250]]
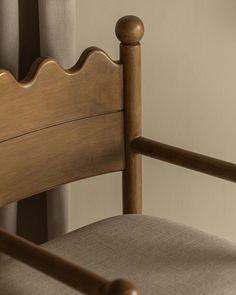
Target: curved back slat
[[59, 126], [44, 159]]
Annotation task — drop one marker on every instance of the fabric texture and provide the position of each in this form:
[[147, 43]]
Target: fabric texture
[[9, 33], [57, 20], [159, 256]]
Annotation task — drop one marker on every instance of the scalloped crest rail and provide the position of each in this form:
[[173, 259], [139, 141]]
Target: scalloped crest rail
[[50, 95], [70, 120]]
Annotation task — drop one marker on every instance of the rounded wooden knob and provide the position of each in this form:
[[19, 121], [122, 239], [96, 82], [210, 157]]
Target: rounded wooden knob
[[119, 287], [129, 29]]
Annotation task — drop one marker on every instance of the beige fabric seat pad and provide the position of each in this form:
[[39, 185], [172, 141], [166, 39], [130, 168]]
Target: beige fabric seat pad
[[159, 256]]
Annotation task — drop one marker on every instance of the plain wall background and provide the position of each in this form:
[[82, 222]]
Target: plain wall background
[[189, 100]]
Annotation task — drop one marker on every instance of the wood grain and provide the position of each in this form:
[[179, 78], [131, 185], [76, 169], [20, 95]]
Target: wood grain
[[129, 31], [44, 159], [50, 95]]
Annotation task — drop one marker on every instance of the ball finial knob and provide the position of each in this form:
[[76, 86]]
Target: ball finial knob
[[129, 29], [118, 287]]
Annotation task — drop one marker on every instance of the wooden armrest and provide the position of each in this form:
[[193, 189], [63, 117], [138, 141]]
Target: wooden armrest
[[61, 269], [184, 158]]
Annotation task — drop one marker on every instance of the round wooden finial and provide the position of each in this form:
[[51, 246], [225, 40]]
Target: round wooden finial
[[119, 287], [129, 29]]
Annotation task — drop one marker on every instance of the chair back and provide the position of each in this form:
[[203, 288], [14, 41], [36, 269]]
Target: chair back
[[58, 126]]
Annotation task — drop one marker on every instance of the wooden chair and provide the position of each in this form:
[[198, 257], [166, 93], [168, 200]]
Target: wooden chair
[[59, 126]]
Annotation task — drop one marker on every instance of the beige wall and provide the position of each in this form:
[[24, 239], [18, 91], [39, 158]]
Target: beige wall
[[189, 100]]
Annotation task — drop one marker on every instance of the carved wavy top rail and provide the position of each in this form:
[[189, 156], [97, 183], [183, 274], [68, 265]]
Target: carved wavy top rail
[[50, 95]]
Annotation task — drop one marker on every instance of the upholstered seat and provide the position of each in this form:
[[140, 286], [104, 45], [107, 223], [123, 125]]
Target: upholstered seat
[[159, 256]]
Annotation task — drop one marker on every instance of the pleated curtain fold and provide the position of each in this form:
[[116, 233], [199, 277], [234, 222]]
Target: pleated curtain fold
[[9, 56], [51, 25]]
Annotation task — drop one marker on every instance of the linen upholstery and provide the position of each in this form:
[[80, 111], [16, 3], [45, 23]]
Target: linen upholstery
[[159, 256]]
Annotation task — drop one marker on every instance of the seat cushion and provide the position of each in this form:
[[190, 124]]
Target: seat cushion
[[159, 256]]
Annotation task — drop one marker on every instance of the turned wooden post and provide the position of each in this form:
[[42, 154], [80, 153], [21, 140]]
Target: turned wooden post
[[130, 30]]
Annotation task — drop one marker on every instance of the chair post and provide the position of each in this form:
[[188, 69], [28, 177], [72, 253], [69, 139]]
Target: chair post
[[130, 30]]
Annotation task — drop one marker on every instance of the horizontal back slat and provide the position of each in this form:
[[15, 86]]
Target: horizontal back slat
[[50, 95], [43, 159]]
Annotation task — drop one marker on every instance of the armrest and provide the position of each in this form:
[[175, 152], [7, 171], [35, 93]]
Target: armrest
[[61, 269], [184, 158]]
